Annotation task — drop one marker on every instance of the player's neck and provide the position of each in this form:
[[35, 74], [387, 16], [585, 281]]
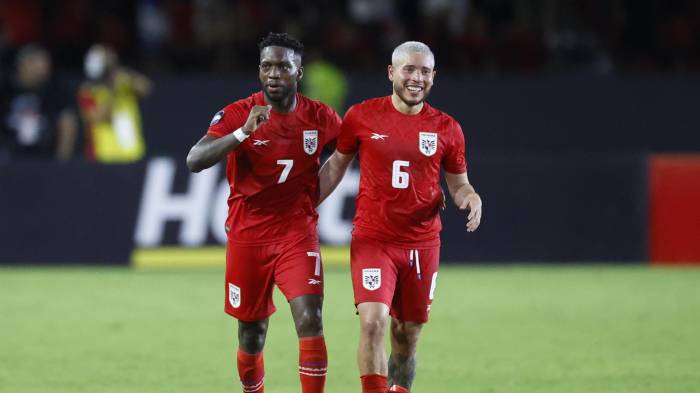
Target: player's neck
[[404, 108], [285, 106]]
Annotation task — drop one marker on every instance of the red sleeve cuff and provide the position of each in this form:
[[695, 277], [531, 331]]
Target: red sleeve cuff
[[457, 170], [344, 150]]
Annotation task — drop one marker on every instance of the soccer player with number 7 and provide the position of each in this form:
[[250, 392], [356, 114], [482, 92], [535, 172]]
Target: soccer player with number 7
[[272, 141], [403, 143]]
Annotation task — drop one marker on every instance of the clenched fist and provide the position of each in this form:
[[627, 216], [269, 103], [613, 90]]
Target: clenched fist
[[257, 116]]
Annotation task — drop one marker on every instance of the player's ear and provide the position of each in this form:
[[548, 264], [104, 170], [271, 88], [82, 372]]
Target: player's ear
[[300, 73], [390, 72]]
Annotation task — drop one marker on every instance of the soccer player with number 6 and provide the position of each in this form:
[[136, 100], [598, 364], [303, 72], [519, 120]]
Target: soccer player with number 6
[[272, 141], [403, 143]]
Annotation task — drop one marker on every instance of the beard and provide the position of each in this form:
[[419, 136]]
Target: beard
[[279, 95], [410, 98]]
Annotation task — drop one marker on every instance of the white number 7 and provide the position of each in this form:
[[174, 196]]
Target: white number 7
[[288, 164], [317, 271]]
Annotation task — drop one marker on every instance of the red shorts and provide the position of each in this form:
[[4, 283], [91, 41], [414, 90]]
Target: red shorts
[[295, 267], [402, 278]]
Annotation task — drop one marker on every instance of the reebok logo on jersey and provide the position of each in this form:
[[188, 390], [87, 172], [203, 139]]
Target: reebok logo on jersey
[[258, 142], [379, 137], [313, 281]]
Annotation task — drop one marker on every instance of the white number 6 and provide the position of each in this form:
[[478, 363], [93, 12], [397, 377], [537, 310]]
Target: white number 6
[[399, 179]]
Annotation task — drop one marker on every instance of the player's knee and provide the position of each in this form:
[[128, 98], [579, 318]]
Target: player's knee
[[373, 328], [407, 348], [251, 335], [309, 322], [405, 336]]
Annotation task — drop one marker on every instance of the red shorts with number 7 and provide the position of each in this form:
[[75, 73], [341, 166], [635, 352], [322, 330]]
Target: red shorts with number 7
[[251, 270], [402, 278]]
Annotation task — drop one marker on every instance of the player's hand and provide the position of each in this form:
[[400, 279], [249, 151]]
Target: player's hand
[[472, 202], [257, 116]]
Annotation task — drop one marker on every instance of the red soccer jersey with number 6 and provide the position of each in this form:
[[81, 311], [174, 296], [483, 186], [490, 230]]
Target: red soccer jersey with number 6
[[273, 175], [400, 160]]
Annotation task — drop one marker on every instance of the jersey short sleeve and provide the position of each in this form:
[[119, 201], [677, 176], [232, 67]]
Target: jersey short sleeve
[[227, 120], [348, 143], [332, 125], [454, 160]]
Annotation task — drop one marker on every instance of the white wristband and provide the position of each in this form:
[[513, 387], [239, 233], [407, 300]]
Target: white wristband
[[240, 135]]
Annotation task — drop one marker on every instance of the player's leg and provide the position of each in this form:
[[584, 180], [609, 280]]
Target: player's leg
[[409, 310], [250, 361], [313, 357], [299, 275], [251, 335], [371, 357], [402, 361], [373, 280], [306, 312], [249, 282]]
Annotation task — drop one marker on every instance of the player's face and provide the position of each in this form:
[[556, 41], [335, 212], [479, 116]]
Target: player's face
[[280, 72], [413, 77]]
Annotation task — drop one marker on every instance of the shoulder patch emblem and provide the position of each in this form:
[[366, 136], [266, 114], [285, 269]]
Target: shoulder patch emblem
[[217, 117], [427, 143]]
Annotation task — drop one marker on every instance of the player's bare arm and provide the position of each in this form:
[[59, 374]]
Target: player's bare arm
[[465, 197], [332, 173], [209, 150]]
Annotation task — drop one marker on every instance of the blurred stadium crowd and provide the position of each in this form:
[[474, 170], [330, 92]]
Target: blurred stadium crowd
[[481, 36], [43, 43]]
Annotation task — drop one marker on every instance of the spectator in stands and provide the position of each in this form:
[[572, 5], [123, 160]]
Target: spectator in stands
[[110, 109], [36, 118]]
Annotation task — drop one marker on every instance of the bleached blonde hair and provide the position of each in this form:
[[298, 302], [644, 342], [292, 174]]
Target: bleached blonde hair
[[402, 51]]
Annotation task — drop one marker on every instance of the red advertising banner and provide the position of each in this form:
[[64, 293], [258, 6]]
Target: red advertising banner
[[674, 201]]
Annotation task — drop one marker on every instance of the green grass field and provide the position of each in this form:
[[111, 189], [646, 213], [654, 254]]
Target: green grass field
[[508, 329]]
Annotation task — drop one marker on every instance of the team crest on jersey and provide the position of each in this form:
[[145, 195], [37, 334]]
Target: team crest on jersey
[[310, 141], [217, 118], [427, 143], [234, 295], [372, 279]]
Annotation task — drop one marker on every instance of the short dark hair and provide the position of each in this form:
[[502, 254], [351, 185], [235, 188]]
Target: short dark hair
[[284, 40]]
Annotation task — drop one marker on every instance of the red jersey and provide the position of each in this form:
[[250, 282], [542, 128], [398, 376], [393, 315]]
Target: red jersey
[[273, 175], [400, 160]]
